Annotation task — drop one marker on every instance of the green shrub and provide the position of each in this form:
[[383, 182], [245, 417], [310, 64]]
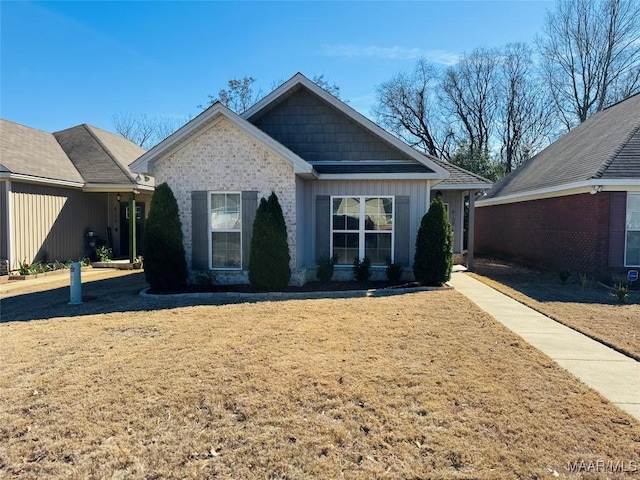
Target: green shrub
[[621, 292], [104, 253], [394, 271], [585, 280], [564, 275], [434, 247], [324, 268], [269, 257], [362, 269], [165, 266]]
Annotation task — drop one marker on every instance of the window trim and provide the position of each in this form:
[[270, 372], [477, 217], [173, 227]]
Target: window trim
[[225, 230], [362, 231], [627, 229]]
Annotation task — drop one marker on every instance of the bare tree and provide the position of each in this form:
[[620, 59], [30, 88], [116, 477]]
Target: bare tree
[[142, 129], [525, 117], [407, 105], [470, 96], [239, 95], [591, 55]]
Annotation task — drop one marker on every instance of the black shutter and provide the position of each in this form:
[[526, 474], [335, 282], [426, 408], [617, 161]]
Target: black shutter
[[402, 231], [249, 207], [199, 231], [323, 226]]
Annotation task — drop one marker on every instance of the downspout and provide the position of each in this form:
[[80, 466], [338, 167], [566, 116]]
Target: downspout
[[470, 233]]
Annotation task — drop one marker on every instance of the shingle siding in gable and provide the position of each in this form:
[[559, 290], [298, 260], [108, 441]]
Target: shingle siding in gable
[[316, 131]]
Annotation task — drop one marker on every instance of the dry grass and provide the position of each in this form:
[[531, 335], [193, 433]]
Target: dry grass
[[415, 386], [592, 310]]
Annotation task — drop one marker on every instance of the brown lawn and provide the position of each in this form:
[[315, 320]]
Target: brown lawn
[[415, 386], [593, 310]]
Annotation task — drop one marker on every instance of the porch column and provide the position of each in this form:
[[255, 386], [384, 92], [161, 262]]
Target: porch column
[[470, 233], [132, 227]]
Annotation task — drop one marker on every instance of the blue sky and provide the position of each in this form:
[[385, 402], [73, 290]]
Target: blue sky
[[67, 63]]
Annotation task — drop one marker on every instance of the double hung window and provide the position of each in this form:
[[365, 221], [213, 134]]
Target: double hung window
[[362, 226], [226, 230]]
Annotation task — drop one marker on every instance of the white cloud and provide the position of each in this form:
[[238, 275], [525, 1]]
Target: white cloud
[[396, 52]]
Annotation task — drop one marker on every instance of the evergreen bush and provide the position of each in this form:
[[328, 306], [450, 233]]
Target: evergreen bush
[[165, 267], [394, 271], [434, 247], [269, 257], [362, 269], [325, 268]]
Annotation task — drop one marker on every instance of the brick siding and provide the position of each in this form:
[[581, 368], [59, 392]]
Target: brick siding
[[569, 232], [226, 159]]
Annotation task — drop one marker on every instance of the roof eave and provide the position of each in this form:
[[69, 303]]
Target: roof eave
[[145, 163], [575, 188]]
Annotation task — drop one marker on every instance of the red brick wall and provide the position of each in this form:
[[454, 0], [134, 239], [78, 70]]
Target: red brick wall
[[570, 232]]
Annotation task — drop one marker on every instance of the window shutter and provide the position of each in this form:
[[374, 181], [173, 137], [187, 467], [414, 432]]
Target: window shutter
[[323, 226], [249, 207], [401, 233], [617, 228], [199, 231]]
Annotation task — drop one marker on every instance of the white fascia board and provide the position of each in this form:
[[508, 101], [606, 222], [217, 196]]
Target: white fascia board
[[298, 78], [464, 186], [18, 177], [115, 187], [377, 176], [613, 185], [144, 164]]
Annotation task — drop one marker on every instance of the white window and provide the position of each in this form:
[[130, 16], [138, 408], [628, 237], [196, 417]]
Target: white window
[[226, 230], [362, 226], [632, 249]]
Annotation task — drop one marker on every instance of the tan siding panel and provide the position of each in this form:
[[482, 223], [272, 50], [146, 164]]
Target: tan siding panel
[[50, 223]]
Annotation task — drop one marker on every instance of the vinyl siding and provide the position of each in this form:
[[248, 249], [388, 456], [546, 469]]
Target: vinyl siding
[[417, 191], [50, 223], [4, 222]]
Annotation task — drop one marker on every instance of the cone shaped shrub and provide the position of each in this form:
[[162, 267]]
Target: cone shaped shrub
[[434, 247], [269, 258], [165, 267]]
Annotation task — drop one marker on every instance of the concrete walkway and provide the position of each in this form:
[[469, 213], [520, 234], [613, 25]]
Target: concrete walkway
[[613, 375]]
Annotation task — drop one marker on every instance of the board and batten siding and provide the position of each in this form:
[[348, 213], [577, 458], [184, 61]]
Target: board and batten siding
[[50, 223], [4, 221], [416, 191]]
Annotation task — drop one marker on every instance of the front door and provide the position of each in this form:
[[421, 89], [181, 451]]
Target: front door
[[124, 228]]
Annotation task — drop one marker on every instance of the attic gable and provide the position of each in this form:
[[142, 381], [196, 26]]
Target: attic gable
[[329, 134]]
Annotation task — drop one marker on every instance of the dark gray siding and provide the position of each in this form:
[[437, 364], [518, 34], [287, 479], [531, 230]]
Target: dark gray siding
[[316, 131]]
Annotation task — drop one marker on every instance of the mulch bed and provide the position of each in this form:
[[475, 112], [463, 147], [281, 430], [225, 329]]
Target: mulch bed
[[315, 286]]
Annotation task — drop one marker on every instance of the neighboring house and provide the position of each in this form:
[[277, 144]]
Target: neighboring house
[[576, 204], [346, 186], [55, 188]]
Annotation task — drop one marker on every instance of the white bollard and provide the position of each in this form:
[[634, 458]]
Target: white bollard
[[75, 284]]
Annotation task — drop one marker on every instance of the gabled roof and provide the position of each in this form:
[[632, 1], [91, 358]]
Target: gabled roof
[[322, 146], [605, 149], [100, 157], [199, 124], [81, 156], [461, 178], [27, 152]]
